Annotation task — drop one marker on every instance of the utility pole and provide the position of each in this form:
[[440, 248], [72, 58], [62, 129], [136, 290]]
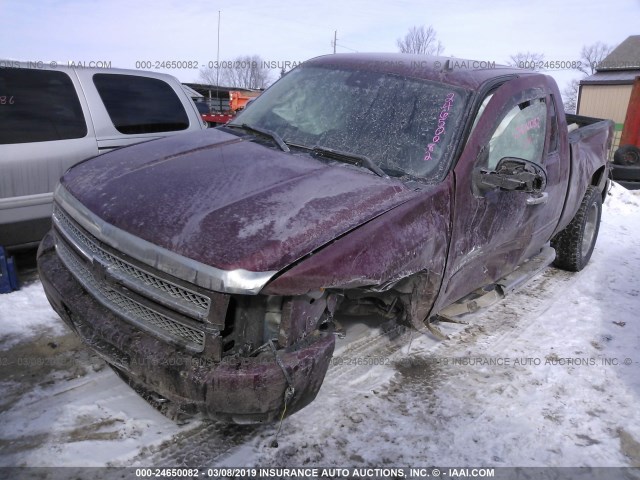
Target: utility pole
[[218, 68], [335, 40]]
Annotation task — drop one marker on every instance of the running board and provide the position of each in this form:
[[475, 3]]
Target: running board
[[527, 270], [487, 296]]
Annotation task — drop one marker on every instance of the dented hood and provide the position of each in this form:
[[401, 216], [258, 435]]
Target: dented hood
[[230, 202]]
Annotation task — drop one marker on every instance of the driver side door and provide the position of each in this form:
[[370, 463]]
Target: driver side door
[[509, 187]]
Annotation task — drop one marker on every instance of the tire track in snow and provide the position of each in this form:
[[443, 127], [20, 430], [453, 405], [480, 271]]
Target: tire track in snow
[[201, 446]]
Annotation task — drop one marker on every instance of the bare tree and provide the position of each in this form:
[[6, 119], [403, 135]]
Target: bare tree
[[528, 60], [211, 76], [570, 96], [592, 55], [420, 40], [590, 58], [248, 71]]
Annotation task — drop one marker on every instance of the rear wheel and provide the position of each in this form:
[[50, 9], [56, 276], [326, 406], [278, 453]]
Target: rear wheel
[[627, 155], [574, 245]]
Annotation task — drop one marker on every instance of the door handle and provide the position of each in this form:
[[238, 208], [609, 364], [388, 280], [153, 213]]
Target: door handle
[[538, 199]]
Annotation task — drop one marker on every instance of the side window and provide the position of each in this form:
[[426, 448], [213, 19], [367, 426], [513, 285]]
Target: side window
[[520, 134], [38, 106], [140, 104]]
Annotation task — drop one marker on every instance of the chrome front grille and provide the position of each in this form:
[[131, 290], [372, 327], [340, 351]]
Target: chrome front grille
[[183, 295], [130, 309], [199, 301], [130, 290]]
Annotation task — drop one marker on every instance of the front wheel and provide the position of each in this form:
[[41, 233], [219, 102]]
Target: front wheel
[[574, 245]]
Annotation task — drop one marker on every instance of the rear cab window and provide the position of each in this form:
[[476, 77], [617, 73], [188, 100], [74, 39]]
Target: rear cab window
[[38, 106], [139, 105]]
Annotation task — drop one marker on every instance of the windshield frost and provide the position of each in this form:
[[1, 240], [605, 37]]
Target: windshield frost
[[404, 125]]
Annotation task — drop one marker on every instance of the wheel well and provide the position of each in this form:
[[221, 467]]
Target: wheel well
[[597, 180]]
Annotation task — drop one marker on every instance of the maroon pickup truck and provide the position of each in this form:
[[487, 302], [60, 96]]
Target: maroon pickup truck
[[207, 268]]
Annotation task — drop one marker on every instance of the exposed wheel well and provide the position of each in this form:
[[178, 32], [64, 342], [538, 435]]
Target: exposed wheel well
[[599, 180]]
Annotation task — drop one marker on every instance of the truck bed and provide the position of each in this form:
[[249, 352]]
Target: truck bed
[[589, 142]]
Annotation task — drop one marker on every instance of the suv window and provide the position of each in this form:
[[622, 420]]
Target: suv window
[[520, 134], [38, 106], [140, 104]]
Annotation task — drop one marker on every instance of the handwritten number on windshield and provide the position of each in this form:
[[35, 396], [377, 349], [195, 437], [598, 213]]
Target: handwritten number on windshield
[[442, 122]]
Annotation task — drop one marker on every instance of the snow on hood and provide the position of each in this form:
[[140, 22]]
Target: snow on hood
[[229, 202]]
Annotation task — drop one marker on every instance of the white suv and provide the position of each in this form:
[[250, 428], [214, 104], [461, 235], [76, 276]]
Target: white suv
[[52, 118]]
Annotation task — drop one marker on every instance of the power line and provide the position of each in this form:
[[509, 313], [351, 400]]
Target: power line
[[335, 43], [342, 46]]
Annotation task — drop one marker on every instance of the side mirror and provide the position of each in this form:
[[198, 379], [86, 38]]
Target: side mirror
[[514, 174]]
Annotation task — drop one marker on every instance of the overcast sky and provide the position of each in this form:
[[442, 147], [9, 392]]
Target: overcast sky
[[123, 32]]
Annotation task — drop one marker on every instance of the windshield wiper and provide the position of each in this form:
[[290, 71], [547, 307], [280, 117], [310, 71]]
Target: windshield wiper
[[263, 131], [353, 158]]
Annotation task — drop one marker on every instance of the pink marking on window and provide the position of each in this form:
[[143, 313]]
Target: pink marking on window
[[530, 125], [441, 128]]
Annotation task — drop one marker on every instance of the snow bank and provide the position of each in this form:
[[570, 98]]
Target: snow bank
[[25, 312]]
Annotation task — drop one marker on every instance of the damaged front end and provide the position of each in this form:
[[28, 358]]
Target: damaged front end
[[241, 357], [237, 345]]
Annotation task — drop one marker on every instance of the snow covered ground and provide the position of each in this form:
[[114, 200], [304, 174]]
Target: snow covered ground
[[548, 377]]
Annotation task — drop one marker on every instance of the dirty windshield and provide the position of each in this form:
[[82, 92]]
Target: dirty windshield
[[405, 126]]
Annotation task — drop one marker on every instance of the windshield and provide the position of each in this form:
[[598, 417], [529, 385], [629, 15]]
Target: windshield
[[404, 125]]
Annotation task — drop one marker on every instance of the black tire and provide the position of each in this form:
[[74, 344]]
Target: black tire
[[625, 172], [574, 245], [627, 155]]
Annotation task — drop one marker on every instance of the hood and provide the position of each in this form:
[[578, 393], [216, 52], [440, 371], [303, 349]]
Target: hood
[[230, 202]]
